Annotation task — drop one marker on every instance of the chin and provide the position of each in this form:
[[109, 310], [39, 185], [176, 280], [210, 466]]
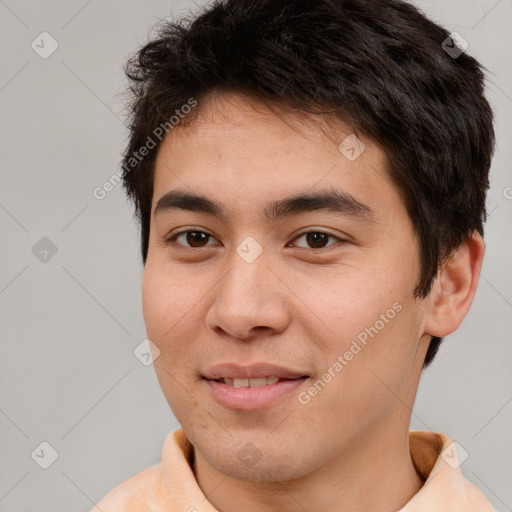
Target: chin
[[265, 470], [241, 459]]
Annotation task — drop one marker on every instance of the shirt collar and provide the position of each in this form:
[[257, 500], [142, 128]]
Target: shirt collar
[[434, 456]]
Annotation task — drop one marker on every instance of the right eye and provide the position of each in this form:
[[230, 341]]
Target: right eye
[[195, 238]]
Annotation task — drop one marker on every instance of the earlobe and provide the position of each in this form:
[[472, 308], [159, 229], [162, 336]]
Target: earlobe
[[455, 287]]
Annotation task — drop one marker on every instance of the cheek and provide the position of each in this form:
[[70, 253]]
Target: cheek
[[366, 374], [169, 302], [171, 320], [346, 304], [371, 321]]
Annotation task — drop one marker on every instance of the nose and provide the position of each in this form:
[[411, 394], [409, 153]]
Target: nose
[[250, 302]]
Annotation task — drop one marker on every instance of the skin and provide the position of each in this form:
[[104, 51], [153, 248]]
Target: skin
[[297, 305]]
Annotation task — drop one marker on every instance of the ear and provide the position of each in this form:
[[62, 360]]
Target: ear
[[454, 288]]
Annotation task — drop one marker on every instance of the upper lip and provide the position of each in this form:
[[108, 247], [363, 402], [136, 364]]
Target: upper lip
[[253, 371]]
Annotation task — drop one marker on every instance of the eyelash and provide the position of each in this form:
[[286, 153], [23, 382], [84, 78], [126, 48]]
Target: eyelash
[[172, 238]]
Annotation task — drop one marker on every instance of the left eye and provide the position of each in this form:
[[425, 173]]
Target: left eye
[[198, 239], [317, 239]]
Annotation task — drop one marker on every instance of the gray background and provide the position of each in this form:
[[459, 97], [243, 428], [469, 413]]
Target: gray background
[[68, 375]]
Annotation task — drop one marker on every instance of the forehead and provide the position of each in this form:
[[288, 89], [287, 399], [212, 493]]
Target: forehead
[[243, 153]]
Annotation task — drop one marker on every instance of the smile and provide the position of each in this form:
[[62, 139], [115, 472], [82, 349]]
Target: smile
[[250, 383]]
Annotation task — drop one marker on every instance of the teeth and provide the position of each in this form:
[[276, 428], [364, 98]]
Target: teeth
[[252, 383]]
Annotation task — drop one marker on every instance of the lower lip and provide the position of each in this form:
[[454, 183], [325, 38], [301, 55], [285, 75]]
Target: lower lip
[[248, 399]]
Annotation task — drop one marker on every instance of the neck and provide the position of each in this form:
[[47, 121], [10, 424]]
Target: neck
[[376, 473]]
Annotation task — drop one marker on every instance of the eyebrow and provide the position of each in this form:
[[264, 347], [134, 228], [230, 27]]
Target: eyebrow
[[333, 200]]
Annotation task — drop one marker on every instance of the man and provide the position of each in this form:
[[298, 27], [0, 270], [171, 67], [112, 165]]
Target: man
[[310, 179]]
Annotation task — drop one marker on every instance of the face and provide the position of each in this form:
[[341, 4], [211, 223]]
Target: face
[[256, 284]]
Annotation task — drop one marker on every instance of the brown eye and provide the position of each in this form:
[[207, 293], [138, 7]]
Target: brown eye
[[316, 239], [193, 239], [196, 238]]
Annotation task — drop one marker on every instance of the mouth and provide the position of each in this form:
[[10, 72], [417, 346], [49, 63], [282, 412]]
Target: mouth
[[246, 388], [230, 373], [252, 387], [257, 382]]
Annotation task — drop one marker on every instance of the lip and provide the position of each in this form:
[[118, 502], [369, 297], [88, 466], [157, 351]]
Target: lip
[[253, 371], [249, 399]]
